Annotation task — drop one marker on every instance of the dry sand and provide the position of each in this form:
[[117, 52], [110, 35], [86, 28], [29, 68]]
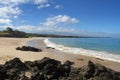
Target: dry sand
[[8, 51]]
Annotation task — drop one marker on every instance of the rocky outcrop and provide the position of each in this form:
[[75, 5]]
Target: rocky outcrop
[[28, 48], [93, 72], [50, 48], [50, 69], [12, 69]]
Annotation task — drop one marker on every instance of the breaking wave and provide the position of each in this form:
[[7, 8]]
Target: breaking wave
[[97, 54]]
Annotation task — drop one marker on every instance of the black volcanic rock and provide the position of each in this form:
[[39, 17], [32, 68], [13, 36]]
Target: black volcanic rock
[[94, 72], [50, 48], [50, 69], [28, 48], [16, 63], [3, 75], [43, 62], [13, 68], [68, 63]]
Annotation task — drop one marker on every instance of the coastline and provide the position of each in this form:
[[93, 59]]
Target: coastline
[[8, 52], [87, 52]]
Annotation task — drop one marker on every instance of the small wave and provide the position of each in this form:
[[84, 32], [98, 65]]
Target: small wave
[[97, 54]]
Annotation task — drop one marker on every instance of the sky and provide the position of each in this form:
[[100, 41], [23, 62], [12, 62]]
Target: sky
[[81, 17]]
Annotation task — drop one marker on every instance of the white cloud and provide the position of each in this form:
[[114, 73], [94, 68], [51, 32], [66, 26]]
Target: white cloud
[[5, 21], [3, 27], [58, 7], [27, 28], [40, 1], [9, 8], [43, 6], [13, 2], [59, 19], [7, 11], [49, 23], [63, 19], [15, 17], [30, 28], [61, 29]]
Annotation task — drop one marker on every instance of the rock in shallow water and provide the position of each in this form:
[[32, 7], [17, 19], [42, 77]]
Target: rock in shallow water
[[49, 69]]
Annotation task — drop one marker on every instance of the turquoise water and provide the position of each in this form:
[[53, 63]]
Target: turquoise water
[[110, 45]]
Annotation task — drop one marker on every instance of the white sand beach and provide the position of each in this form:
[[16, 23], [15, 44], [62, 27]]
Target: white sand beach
[[8, 51]]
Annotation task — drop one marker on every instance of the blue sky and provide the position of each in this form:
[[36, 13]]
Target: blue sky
[[84, 17]]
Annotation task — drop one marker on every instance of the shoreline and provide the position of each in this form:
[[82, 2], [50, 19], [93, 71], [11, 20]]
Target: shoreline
[[86, 52], [80, 60]]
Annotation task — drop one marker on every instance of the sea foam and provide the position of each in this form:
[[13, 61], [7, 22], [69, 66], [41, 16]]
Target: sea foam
[[97, 54]]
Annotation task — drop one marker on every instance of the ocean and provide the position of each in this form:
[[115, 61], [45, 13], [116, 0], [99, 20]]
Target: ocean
[[104, 48]]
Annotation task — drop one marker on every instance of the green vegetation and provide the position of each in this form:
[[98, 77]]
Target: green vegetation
[[49, 35], [9, 32]]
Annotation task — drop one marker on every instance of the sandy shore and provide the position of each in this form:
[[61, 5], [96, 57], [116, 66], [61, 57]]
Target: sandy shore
[[8, 51]]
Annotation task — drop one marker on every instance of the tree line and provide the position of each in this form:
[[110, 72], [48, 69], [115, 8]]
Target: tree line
[[14, 33]]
